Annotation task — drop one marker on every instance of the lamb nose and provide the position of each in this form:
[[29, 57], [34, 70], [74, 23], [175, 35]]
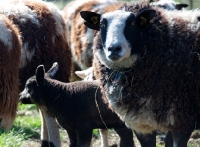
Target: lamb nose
[[115, 49]]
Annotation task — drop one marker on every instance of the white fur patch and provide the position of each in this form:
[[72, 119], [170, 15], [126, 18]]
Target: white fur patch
[[88, 36], [5, 34], [190, 16], [58, 17], [167, 4], [144, 120], [26, 55], [125, 63], [22, 13], [115, 33]]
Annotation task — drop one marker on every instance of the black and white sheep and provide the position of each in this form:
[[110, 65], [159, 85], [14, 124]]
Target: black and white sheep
[[80, 38], [148, 62], [77, 106]]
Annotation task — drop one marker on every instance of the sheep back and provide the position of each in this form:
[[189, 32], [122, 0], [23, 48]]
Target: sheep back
[[43, 35]]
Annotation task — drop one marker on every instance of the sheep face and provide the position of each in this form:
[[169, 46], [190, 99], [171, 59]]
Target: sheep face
[[32, 93], [119, 31]]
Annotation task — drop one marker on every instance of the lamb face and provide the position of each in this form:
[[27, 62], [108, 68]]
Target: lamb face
[[119, 31], [32, 93]]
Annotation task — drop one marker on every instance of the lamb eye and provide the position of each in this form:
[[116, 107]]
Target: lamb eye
[[133, 23], [28, 89]]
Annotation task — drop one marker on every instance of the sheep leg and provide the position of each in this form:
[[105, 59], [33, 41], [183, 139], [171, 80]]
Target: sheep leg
[[84, 137], [147, 140], [169, 140], [104, 137], [44, 131], [126, 137], [180, 139], [53, 131], [72, 138]]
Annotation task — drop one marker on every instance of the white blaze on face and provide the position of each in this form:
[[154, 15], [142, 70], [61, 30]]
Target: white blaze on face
[[116, 22]]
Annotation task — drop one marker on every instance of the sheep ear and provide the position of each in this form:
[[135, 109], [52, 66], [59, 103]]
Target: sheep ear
[[92, 19], [40, 74], [143, 18], [180, 6], [53, 70], [80, 74]]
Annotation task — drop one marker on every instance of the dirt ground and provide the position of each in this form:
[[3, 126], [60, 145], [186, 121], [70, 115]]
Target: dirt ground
[[113, 141]]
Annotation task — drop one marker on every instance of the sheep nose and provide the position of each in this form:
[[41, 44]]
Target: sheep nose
[[114, 49], [114, 52]]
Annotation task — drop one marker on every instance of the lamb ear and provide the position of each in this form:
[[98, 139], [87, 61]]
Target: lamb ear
[[180, 6], [53, 70], [143, 18], [40, 74], [92, 19]]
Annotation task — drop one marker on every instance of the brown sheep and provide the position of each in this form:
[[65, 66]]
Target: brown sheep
[[10, 53], [80, 37], [44, 38]]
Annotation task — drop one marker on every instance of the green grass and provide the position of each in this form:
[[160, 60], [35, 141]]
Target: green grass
[[24, 127]]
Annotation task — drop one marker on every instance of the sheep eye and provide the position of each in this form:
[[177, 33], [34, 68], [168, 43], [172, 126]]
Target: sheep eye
[[133, 23], [102, 25], [163, 7]]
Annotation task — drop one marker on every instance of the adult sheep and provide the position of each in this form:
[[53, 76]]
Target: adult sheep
[[80, 38], [74, 106], [44, 38], [10, 53], [148, 62], [169, 5]]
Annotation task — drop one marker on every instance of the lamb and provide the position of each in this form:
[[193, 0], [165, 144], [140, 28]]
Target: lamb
[[10, 54], [74, 106], [148, 62], [44, 39]]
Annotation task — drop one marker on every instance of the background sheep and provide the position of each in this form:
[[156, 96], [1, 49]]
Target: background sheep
[[10, 53], [80, 37], [74, 106], [170, 5], [156, 48], [44, 38]]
